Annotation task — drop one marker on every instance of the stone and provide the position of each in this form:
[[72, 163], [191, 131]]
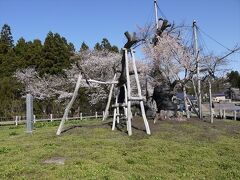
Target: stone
[[55, 160]]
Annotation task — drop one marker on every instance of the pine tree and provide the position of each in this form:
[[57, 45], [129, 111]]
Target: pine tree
[[71, 48], [84, 47], [6, 39], [105, 45], [56, 54], [97, 47], [114, 49]]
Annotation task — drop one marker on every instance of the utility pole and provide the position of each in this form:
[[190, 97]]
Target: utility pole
[[156, 13], [196, 51]]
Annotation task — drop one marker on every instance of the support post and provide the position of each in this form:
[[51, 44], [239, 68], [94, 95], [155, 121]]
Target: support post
[[16, 120], [221, 113], [115, 114], [118, 115], [139, 93], [198, 69], [81, 116], [109, 99], [235, 115], [51, 117], [34, 118], [210, 101], [69, 105], [96, 115], [156, 13], [129, 112], [29, 113], [224, 114]]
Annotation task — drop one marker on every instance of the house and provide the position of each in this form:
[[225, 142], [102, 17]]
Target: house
[[218, 97]]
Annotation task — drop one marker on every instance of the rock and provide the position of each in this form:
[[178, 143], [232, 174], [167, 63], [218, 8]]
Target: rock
[[55, 160]]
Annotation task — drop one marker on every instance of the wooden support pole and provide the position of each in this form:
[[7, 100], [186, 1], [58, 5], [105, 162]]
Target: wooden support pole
[[210, 101], [196, 50], [129, 112], [51, 117], [118, 115], [140, 94], [69, 105], [221, 113], [235, 115], [16, 120], [109, 100], [115, 114], [224, 114]]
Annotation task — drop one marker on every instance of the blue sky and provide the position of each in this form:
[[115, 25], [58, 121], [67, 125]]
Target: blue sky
[[92, 20]]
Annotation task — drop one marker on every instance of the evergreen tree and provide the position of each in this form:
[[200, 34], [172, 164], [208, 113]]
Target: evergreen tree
[[7, 55], [6, 39], [105, 45], [84, 47], [71, 48], [36, 48], [114, 49], [234, 79], [97, 47], [56, 54]]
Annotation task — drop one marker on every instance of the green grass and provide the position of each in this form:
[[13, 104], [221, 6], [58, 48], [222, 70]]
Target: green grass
[[186, 150]]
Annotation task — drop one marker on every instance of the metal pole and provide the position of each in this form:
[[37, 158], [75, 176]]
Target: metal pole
[[156, 13], [198, 70]]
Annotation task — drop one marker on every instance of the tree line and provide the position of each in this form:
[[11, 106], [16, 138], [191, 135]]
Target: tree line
[[50, 57]]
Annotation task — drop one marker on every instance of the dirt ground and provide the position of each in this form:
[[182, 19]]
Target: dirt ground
[[138, 128]]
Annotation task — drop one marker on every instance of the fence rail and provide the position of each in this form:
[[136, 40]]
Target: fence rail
[[22, 120]]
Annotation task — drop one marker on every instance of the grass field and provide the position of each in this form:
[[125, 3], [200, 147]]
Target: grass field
[[175, 150]]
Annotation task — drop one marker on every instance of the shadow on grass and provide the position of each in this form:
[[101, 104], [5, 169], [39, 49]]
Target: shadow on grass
[[85, 126]]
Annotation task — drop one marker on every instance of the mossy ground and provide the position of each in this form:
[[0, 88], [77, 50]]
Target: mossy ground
[[175, 150]]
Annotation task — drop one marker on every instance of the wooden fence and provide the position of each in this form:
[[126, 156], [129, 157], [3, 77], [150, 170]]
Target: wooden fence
[[16, 120]]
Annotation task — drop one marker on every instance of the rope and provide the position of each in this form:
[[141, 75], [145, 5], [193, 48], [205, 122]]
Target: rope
[[210, 37]]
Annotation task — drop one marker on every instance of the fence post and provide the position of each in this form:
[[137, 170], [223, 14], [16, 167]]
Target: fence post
[[80, 116], [16, 120], [51, 117], [235, 115], [96, 115], [34, 118], [224, 114], [220, 113], [103, 115]]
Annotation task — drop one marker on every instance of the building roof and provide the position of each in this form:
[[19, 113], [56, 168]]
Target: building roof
[[218, 95], [181, 96]]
